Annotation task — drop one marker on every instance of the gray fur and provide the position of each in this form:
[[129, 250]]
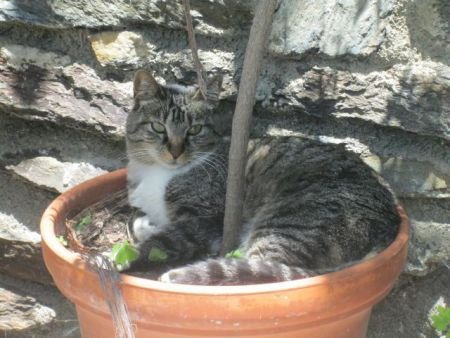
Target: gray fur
[[309, 207]]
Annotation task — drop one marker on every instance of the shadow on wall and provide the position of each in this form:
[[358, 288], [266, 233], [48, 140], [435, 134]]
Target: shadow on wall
[[34, 11], [429, 28], [420, 101], [27, 83]]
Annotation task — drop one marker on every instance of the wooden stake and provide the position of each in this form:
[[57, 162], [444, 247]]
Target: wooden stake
[[193, 45], [241, 123]]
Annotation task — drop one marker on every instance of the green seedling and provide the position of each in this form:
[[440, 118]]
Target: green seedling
[[157, 255], [441, 320], [81, 224], [62, 240], [123, 254], [237, 254]]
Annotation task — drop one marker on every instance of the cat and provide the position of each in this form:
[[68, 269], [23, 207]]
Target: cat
[[309, 207]]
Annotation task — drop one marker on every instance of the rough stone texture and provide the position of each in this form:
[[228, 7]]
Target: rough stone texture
[[18, 312], [397, 97], [213, 17], [62, 97], [49, 173], [406, 312], [20, 211], [30, 310], [333, 28], [373, 75]]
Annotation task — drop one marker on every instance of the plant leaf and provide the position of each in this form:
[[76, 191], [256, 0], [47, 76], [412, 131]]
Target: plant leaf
[[235, 254], [157, 255], [123, 254], [62, 240], [81, 224], [441, 320]]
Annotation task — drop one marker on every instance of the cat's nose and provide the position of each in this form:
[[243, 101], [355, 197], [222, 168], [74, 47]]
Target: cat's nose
[[176, 149]]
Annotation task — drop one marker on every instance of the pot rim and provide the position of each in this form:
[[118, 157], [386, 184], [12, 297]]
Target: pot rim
[[60, 205]]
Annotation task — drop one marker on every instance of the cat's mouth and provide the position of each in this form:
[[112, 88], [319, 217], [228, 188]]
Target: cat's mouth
[[171, 163], [174, 164]]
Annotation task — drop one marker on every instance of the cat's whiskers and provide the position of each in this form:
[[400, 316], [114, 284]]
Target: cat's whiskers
[[211, 163], [218, 166], [201, 165]]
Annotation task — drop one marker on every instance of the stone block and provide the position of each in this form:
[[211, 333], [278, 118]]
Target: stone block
[[30, 310], [20, 213], [49, 173], [429, 246], [405, 313], [74, 97], [413, 97], [210, 17], [333, 28]]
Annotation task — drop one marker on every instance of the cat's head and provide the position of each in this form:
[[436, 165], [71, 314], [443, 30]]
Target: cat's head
[[172, 125]]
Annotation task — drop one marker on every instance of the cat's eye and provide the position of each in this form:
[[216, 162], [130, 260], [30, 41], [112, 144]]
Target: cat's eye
[[158, 127], [195, 129]]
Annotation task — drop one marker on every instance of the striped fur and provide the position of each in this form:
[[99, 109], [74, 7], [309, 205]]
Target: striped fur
[[309, 207]]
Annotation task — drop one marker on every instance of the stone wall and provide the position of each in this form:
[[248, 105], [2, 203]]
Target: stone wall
[[373, 74]]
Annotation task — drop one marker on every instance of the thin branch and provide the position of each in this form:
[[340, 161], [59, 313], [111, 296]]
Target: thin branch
[[241, 123], [193, 45]]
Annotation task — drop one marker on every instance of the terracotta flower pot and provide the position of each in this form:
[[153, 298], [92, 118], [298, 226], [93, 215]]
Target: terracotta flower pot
[[333, 305]]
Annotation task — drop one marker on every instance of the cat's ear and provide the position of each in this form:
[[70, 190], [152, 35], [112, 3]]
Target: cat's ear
[[145, 85], [213, 87]]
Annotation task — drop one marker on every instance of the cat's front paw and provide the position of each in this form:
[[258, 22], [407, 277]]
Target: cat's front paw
[[184, 275], [174, 276], [143, 229]]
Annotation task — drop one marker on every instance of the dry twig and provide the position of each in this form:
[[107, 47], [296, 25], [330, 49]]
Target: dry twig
[[193, 45]]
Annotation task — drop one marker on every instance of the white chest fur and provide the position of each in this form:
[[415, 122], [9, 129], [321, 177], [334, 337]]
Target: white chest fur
[[150, 182]]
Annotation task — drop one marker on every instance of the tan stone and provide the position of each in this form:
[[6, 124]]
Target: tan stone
[[110, 47], [409, 177]]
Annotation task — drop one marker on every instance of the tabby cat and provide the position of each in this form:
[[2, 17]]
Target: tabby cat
[[309, 207]]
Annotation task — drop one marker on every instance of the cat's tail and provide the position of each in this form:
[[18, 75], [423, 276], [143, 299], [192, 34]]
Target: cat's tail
[[228, 271]]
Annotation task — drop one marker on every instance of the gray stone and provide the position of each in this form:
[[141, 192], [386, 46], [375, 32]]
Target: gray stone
[[21, 139], [414, 97], [429, 246], [406, 310], [13, 230], [20, 253], [67, 97], [429, 27], [20, 213], [22, 312], [23, 200], [333, 28], [30, 310], [211, 17], [412, 178], [49, 173]]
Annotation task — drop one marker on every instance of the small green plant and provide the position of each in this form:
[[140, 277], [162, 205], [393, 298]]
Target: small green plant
[[441, 320], [157, 255], [123, 254], [63, 240], [81, 224], [235, 254]]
